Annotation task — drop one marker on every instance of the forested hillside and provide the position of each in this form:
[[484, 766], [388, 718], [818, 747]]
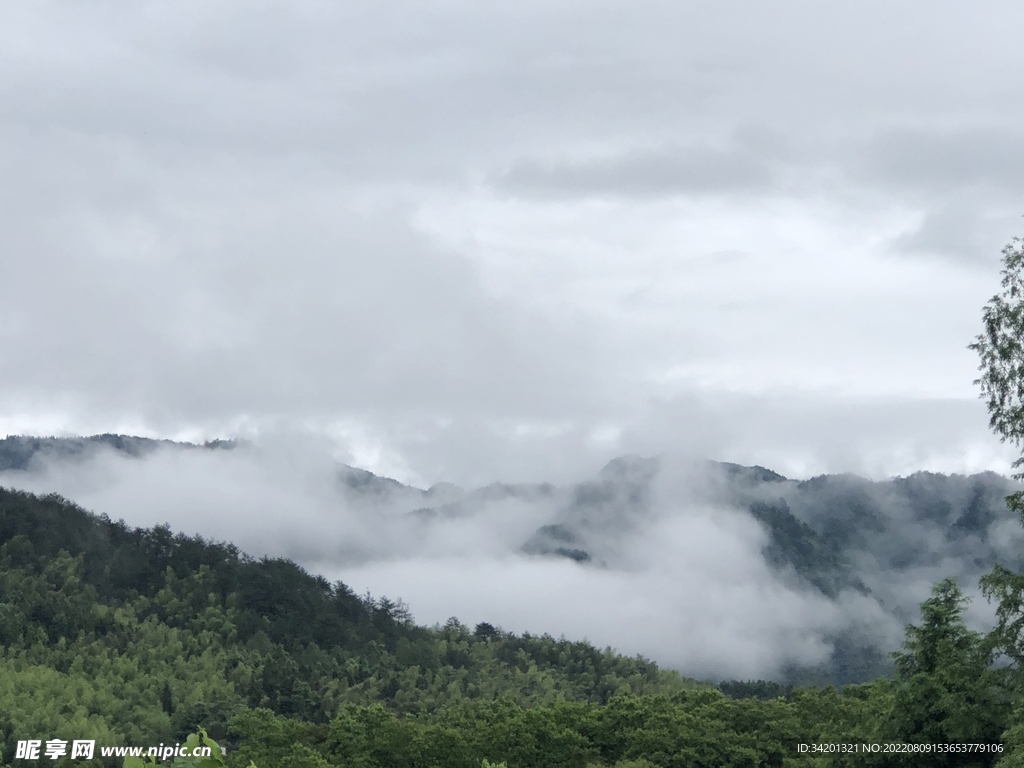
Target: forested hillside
[[865, 550], [139, 636]]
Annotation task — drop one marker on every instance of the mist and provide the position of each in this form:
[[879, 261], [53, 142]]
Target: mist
[[658, 557]]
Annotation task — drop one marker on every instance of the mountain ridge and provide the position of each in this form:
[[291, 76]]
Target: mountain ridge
[[842, 537]]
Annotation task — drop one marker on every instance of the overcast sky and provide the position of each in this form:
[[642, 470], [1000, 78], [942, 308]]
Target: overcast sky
[[470, 241]]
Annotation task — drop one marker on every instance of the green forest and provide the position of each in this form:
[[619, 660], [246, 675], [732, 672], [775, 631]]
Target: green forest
[[141, 636]]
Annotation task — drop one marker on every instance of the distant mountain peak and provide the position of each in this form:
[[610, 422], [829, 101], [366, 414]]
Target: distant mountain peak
[[753, 474], [18, 451], [631, 468]]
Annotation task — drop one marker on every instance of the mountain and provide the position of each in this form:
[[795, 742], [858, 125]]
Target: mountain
[[838, 535], [141, 635], [852, 541], [145, 635], [19, 452]]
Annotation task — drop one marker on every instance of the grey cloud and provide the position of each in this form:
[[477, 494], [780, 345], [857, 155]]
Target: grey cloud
[[211, 218], [930, 158], [963, 180], [959, 231], [299, 313], [641, 173]]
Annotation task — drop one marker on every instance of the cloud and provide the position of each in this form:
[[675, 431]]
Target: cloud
[[939, 157], [353, 320], [636, 174], [795, 435], [688, 587], [470, 238], [953, 231], [676, 569]]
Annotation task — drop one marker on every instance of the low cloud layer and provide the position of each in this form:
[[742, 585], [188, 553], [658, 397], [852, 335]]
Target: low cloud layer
[[661, 564]]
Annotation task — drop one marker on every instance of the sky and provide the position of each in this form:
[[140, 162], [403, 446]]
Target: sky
[[471, 241]]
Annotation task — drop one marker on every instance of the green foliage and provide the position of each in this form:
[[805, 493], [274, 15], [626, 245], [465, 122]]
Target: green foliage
[[1000, 348], [754, 689], [696, 728], [949, 692], [140, 637], [137, 637]]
